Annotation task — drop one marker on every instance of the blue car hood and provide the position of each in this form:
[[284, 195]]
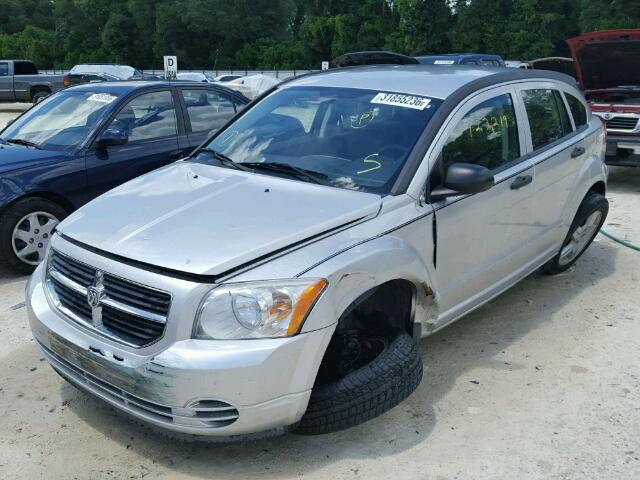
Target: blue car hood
[[13, 157]]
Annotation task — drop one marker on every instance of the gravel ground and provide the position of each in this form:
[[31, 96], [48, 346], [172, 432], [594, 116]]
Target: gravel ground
[[542, 383]]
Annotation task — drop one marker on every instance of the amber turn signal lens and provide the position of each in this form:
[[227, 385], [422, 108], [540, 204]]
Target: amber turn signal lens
[[304, 304]]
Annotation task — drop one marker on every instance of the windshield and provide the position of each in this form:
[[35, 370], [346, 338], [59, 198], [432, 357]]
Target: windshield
[[62, 121], [349, 138]]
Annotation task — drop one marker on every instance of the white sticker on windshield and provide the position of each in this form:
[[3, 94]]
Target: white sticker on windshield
[[101, 97], [406, 101], [444, 62]]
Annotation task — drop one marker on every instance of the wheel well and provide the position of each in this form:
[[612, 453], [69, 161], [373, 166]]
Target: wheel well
[[389, 305], [599, 187], [52, 197], [377, 314], [39, 88]]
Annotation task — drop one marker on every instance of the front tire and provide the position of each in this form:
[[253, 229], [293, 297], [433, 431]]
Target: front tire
[[25, 230], [365, 392], [587, 223]]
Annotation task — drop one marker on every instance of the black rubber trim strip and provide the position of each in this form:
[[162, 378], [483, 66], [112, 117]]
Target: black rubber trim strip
[[452, 102], [200, 278]]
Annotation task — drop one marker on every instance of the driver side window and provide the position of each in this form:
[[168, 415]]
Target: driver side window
[[487, 136], [147, 117]]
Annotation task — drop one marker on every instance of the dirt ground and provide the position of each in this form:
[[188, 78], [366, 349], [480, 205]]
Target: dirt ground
[[542, 383]]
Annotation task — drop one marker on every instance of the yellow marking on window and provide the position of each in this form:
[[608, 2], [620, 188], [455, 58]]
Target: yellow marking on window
[[368, 159], [361, 120]]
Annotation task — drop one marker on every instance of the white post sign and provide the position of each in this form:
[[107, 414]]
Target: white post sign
[[170, 67], [325, 65]]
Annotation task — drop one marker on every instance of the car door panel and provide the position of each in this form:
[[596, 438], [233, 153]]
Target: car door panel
[[6, 82], [482, 239], [557, 161]]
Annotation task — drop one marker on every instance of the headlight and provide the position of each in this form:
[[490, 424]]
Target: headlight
[[257, 310]]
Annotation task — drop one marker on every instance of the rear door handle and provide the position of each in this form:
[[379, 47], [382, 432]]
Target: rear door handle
[[577, 152], [521, 181]]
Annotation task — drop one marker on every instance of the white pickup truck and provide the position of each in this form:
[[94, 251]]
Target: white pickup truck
[[21, 82]]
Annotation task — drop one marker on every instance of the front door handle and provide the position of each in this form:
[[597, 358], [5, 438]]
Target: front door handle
[[577, 152], [521, 181]]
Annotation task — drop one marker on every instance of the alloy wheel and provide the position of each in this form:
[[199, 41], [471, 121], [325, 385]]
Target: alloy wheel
[[31, 236], [580, 238]]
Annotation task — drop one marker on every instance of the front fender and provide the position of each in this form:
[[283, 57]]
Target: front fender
[[370, 264]]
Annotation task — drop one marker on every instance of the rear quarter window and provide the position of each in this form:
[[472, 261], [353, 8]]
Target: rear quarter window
[[578, 110]]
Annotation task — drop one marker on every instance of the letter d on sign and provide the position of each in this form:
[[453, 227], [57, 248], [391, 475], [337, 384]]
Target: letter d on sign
[[170, 67]]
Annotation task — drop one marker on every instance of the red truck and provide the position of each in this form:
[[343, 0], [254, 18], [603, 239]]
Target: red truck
[[608, 70]]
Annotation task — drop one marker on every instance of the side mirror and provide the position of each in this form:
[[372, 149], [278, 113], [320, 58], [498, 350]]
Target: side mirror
[[112, 137], [463, 179]]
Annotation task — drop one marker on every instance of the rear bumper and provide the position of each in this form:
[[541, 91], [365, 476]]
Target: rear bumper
[[194, 386], [623, 151]]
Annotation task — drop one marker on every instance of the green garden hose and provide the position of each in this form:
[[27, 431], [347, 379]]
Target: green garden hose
[[620, 241]]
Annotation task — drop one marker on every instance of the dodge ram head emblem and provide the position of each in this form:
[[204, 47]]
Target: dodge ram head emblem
[[95, 293]]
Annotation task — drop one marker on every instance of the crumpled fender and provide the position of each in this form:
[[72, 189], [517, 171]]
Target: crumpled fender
[[355, 271]]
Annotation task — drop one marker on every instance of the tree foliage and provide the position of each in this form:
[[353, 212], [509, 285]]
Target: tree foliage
[[281, 34]]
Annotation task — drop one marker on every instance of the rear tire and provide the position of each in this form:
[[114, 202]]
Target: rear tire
[[586, 225], [367, 392], [39, 96], [15, 222]]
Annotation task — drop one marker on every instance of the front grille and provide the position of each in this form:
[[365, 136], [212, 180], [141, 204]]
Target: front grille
[[201, 414], [128, 312], [622, 123]]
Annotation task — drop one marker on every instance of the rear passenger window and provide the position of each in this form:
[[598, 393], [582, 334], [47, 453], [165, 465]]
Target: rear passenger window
[[24, 68], [578, 111], [4, 69], [207, 110], [487, 135], [548, 117]]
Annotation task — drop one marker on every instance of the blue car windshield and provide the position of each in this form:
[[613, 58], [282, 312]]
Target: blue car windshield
[[343, 137], [62, 121]]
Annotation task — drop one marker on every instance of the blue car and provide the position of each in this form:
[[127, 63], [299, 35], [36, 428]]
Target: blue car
[[484, 59], [86, 140]]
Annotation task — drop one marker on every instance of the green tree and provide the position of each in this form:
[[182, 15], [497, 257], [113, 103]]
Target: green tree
[[424, 26], [608, 14]]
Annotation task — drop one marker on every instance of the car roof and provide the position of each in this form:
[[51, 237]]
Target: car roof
[[127, 86], [427, 80]]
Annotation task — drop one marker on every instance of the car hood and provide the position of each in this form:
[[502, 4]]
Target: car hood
[[13, 157], [205, 220], [607, 59]]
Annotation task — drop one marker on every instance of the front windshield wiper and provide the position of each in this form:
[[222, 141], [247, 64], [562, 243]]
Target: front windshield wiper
[[300, 173], [223, 159], [26, 143]]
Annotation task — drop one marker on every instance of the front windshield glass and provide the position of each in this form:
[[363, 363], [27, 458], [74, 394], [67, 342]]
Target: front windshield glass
[[349, 138], [61, 122]]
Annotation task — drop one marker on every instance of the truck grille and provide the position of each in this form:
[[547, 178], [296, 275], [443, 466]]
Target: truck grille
[[122, 310], [622, 123]]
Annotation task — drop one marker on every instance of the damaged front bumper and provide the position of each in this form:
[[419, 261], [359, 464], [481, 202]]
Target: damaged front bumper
[[219, 388]]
